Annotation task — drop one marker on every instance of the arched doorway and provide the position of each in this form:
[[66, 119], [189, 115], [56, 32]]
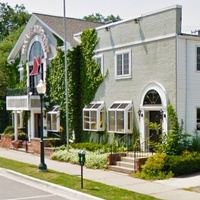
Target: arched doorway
[[153, 117]]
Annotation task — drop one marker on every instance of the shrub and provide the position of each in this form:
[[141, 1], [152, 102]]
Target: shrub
[[94, 160], [89, 146], [9, 130], [184, 164], [154, 168]]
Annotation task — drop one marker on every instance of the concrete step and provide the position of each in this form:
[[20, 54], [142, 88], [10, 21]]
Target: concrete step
[[125, 164], [128, 159], [121, 169]]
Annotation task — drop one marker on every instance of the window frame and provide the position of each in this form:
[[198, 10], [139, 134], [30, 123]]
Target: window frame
[[100, 56], [94, 117], [198, 119], [52, 122], [123, 75], [197, 59], [116, 108]]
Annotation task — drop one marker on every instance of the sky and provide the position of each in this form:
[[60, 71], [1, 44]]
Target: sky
[[126, 9]]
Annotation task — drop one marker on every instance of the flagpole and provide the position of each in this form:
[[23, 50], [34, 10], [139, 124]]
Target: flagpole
[[66, 77]]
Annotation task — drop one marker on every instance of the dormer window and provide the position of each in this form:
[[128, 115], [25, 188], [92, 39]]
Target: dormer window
[[94, 117]]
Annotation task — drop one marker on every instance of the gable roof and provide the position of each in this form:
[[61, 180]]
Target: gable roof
[[56, 25]]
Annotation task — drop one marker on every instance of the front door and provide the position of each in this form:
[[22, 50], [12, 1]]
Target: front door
[[154, 126]]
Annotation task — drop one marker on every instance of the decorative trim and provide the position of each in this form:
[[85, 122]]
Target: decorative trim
[[36, 29]]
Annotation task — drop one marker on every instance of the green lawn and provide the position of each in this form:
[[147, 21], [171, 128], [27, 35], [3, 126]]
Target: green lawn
[[73, 182]]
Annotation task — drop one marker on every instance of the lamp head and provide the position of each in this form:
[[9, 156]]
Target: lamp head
[[41, 87]]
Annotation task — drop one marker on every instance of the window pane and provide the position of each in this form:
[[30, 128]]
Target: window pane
[[198, 58], [198, 118], [123, 105], [130, 125], [152, 97], [126, 63], [115, 105], [111, 118], [86, 120], [54, 122], [93, 119], [120, 121], [119, 64], [48, 122], [89, 105], [96, 105]]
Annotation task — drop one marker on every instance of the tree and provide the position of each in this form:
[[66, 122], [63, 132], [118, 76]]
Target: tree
[[12, 23], [11, 19], [100, 18]]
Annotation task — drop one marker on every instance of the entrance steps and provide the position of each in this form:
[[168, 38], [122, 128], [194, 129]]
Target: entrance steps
[[129, 163]]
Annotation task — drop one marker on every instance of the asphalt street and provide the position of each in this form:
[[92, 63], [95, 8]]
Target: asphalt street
[[18, 187]]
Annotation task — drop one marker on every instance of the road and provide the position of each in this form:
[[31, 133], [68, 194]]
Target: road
[[16, 187]]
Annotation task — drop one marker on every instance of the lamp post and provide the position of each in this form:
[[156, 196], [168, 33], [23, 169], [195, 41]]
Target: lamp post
[[41, 89]]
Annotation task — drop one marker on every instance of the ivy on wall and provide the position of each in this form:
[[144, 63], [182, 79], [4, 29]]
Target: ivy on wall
[[84, 78]]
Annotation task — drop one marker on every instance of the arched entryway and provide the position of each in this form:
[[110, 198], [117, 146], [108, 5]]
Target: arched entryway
[[153, 114]]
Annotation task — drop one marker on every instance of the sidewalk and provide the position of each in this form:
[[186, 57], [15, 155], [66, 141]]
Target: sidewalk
[[162, 189]]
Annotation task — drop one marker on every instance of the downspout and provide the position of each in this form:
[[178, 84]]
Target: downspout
[[186, 83]]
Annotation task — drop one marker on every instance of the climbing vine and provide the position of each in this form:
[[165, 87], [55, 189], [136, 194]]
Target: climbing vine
[[84, 78]]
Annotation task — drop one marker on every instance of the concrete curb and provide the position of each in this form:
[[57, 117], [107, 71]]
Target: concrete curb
[[57, 188]]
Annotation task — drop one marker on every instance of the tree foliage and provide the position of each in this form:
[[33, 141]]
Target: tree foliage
[[100, 18], [12, 22], [11, 19]]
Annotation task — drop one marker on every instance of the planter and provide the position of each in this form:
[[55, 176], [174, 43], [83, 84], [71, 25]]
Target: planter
[[16, 144], [6, 141], [113, 157]]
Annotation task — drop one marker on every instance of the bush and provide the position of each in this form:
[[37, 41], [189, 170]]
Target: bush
[[94, 160], [9, 131], [153, 168], [89, 146], [184, 164]]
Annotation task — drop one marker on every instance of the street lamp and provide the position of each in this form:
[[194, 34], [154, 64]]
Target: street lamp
[[41, 89]]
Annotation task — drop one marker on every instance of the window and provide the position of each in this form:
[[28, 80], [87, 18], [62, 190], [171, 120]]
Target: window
[[152, 97], [123, 64], [198, 119], [36, 71], [120, 117], [53, 120], [99, 60], [94, 116], [198, 58], [19, 119]]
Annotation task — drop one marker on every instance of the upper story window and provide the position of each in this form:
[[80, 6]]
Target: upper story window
[[123, 64], [94, 116], [36, 51], [99, 60], [120, 117], [198, 58], [36, 66]]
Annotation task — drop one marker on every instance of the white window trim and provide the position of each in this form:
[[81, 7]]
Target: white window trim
[[98, 111], [102, 66], [56, 112], [123, 75], [126, 110]]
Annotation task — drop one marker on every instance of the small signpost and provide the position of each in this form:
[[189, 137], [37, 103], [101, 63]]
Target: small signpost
[[81, 159]]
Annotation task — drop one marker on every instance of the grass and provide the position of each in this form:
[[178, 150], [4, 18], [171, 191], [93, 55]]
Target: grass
[[90, 187]]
